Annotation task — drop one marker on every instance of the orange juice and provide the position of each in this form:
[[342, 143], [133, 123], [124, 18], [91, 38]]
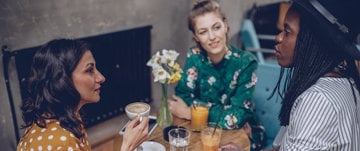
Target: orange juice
[[210, 139], [210, 148], [210, 143], [199, 117]]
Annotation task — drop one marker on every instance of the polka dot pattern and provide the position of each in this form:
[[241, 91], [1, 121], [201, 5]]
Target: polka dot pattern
[[52, 138], [63, 138]]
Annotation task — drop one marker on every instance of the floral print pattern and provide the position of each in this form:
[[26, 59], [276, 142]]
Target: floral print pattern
[[247, 104], [223, 98], [234, 81], [231, 121], [228, 85], [211, 80], [253, 81], [192, 76]]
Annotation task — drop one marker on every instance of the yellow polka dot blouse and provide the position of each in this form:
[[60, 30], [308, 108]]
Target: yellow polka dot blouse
[[52, 138]]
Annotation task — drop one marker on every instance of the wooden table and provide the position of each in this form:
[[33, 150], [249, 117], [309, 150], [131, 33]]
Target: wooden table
[[237, 136]]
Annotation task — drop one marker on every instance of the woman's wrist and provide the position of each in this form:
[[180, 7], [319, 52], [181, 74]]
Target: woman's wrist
[[125, 147]]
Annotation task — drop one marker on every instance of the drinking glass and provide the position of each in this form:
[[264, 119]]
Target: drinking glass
[[211, 137], [199, 115], [179, 139]]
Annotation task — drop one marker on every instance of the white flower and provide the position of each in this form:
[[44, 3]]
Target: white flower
[[164, 67], [154, 62], [160, 75], [169, 56]]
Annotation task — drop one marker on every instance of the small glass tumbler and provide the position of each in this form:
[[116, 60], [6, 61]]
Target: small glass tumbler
[[179, 139]]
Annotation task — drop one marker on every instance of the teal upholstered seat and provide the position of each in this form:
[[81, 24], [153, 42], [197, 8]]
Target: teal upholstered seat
[[268, 74], [249, 38], [268, 110]]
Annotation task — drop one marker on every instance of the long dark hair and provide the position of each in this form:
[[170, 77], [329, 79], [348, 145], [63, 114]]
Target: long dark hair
[[313, 58], [52, 94]]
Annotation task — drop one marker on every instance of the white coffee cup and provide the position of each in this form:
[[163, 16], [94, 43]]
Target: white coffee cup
[[137, 108]]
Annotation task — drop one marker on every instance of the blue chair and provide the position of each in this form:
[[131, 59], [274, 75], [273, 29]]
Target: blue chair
[[268, 74], [267, 110], [250, 39]]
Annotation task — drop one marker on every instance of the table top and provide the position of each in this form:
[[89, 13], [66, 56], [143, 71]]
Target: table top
[[237, 136]]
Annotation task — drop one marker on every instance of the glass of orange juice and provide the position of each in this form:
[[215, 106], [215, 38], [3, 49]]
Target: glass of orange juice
[[211, 137], [199, 115]]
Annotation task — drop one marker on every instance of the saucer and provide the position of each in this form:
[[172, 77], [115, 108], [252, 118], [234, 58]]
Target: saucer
[[152, 146]]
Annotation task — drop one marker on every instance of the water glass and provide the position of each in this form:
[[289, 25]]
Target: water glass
[[179, 139]]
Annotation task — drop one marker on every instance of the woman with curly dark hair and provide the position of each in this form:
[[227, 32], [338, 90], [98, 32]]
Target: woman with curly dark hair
[[63, 78]]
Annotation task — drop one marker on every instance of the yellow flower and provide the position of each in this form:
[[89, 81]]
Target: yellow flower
[[165, 68], [175, 77], [176, 66]]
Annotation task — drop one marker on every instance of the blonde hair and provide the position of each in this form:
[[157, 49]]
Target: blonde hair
[[202, 7]]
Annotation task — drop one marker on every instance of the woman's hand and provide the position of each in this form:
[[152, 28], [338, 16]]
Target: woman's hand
[[230, 147], [135, 133], [178, 107]]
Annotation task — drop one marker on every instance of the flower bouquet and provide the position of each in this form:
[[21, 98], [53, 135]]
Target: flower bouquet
[[165, 70]]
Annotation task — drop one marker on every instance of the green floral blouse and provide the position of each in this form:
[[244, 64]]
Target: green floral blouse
[[228, 85]]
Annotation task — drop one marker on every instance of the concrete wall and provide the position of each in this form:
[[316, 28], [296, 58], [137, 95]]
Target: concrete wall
[[28, 23]]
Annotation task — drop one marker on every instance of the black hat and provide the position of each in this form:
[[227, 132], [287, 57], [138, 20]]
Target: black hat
[[337, 20]]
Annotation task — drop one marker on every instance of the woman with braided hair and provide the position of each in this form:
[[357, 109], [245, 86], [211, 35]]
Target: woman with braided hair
[[320, 107], [316, 50]]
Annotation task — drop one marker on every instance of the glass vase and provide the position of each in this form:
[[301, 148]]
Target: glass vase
[[164, 118]]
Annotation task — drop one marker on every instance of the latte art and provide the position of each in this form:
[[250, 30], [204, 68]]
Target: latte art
[[137, 107]]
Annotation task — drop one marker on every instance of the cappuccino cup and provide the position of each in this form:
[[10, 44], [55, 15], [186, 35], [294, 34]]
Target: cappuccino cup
[[137, 108]]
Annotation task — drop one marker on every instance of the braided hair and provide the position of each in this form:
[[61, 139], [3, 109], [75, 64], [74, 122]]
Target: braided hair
[[313, 58]]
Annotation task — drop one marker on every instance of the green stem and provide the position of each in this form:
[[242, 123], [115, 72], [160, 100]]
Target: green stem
[[164, 118], [164, 91]]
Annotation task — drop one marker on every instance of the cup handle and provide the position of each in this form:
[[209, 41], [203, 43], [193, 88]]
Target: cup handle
[[139, 148]]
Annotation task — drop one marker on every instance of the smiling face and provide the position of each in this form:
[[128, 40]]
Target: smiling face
[[87, 79], [286, 39], [210, 32]]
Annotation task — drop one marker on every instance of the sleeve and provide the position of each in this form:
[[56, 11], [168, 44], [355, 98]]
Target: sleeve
[[186, 87], [315, 125], [240, 109]]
